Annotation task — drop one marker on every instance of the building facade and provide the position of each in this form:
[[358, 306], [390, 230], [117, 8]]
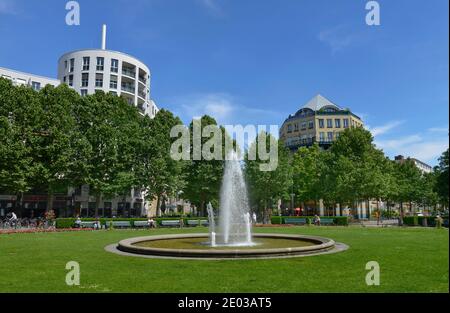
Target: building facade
[[24, 79], [422, 166], [88, 71], [319, 121]]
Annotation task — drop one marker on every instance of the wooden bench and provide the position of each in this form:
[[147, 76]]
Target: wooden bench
[[299, 221], [171, 223], [142, 224]]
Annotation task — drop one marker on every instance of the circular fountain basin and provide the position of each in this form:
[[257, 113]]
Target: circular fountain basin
[[194, 246]]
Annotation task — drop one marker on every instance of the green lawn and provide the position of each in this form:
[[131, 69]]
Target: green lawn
[[411, 260]]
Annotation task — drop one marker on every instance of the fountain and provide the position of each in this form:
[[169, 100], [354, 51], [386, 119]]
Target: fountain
[[233, 237]]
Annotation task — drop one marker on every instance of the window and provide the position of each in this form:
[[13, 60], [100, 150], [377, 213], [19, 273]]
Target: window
[[329, 123], [337, 135], [65, 79], [114, 66], [72, 65], [70, 80], [330, 136], [289, 128], [311, 125], [113, 82], [345, 122], [296, 127], [322, 136], [321, 123], [85, 80], [99, 80], [100, 63], [304, 126], [86, 63], [36, 86], [83, 92], [337, 123]]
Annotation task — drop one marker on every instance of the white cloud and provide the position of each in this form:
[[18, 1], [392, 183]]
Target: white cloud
[[212, 6], [337, 38], [383, 129], [423, 148], [226, 109], [438, 130], [7, 7]]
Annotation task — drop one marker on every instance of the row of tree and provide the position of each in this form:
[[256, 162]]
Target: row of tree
[[351, 171], [54, 139]]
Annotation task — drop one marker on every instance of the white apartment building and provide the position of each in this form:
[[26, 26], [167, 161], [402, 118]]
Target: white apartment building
[[88, 71], [24, 79]]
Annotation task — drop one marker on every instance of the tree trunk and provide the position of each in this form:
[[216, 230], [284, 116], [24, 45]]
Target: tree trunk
[[400, 221], [98, 199], [50, 199], [158, 205]]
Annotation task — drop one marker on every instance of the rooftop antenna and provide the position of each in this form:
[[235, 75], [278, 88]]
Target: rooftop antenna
[[104, 37]]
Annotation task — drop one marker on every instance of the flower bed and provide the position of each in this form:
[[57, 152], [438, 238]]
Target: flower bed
[[39, 230]]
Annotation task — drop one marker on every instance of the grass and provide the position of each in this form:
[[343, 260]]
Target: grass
[[411, 260]]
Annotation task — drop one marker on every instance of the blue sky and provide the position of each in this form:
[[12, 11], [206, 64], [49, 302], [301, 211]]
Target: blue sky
[[257, 61]]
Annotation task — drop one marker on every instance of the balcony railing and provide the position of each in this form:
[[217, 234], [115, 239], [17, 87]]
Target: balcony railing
[[141, 94], [128, 88], [143, 80], [129, 73]]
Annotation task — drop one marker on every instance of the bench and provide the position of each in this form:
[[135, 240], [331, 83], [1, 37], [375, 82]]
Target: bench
[[326, 221], [194, 223], [299, 221], [140, 224], [120, 224], [87, 224], [171, 223]]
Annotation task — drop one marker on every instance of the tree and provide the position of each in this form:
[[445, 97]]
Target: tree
[[17, 115], [309, 169], [112, 128], [441, 185], [407, 178], [55, 141], [267, 186], [358, 168], [160, 174], [204, 177]]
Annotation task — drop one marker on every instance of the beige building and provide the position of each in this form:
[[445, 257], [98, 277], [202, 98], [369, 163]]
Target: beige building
[[319, 121]]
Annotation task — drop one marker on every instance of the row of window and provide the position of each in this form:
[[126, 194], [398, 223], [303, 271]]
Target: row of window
[[330, 123], [87, 64], [337, 123]]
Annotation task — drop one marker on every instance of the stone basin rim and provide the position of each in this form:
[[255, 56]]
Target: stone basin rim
[[321, 244]]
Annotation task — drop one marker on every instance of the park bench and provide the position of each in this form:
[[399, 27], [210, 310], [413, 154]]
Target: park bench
[[120, 224], [326, 221], [142, 224], [194, 223], [87, 224], [299, 221], [171, 223]]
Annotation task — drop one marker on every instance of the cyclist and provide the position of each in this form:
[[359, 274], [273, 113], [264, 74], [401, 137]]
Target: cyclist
[[13, 220]]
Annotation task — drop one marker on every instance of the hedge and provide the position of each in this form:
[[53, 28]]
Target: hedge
[[70, 222], [418, 220], [338, 220]]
